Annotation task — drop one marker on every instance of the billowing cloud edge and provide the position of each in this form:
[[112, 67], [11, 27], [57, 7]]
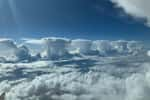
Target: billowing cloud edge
[[52, 48], [139, 9]]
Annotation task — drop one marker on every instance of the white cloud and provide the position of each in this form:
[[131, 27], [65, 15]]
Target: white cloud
[[120, 47], [62, 48], [76, 85], [82, 46], [87, 78], [148, 53], [111, 74], [32, 41], [55, 48], [22, 53], [10, 51], [7, 48], [136, 8]]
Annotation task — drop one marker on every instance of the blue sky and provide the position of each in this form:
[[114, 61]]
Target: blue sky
[[92, 19]]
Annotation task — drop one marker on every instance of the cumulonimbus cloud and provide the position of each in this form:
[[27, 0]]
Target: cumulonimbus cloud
[[62, 48], [136, 8], [10, 51]]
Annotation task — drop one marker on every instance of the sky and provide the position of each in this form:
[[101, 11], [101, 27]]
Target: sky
[[91, 19]]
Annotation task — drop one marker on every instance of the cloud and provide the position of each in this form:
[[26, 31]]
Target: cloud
[[10, 51], [7, 48], [55, 48], [77, 85], [136, 8], [82, 46], [120, 47], [112, 73], [148, 53], [32, 41], [22, 53], [52, 48]]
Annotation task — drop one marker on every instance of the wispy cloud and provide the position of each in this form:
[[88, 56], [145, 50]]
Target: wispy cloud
[[135, 8]]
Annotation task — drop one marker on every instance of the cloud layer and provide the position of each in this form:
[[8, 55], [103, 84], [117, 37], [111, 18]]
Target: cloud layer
[[64, 69], [54, 48], [136, 8], [102, 81], [61, 48]]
